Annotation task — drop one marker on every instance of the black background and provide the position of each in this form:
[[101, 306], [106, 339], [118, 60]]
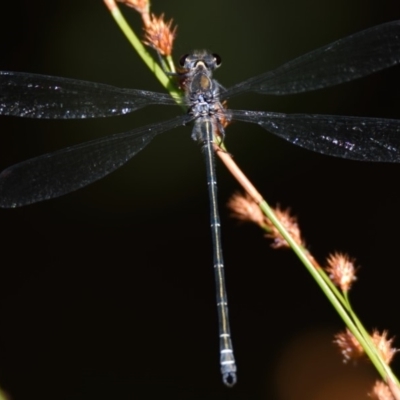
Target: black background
[[108, 292]]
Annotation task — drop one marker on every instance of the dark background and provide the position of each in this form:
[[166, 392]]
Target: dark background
[[108, 292]]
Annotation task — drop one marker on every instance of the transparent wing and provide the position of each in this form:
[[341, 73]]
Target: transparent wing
[[356, 138], [353, 57], [55, 174], [40, 96]]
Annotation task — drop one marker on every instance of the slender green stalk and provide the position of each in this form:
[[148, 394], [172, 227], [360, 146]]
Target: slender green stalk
[[337, 304], [144, 54]]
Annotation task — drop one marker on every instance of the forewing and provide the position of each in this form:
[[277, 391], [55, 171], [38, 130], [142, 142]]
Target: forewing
[[41, 96], [346, 59]]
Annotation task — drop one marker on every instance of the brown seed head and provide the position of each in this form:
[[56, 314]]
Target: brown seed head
[[244, 208], [348, 346], [341, 270], [159, 34], [381, 391], [384, 345], [290, 224]]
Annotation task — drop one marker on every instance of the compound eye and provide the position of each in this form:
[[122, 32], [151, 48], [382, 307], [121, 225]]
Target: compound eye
[[217, 59], [182, 60]]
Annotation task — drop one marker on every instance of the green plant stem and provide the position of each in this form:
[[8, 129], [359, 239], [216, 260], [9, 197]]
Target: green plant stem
[[325, 288], [144, 54]]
